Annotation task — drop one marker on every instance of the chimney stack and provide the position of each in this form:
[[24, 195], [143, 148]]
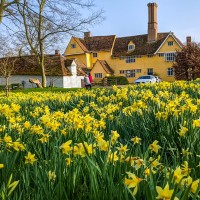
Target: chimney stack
[[152, 22], [87, 34], [57, 52], [188, 40]]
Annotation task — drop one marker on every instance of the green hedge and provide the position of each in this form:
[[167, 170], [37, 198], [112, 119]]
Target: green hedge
[[116, 80]]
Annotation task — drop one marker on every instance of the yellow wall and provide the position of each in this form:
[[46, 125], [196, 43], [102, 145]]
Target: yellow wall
[[166, 48], [98, 69], [69, 50]]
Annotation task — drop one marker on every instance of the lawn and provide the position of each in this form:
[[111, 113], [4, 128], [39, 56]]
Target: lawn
[[135, 142]]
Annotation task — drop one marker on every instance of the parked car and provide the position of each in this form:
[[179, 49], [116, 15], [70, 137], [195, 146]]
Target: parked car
[[158, 79], [146, 79]]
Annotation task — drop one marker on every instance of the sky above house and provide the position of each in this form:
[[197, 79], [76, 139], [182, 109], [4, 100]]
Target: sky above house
[[130, 17]]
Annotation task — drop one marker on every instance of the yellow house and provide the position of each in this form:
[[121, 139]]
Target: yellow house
[[132, 56]]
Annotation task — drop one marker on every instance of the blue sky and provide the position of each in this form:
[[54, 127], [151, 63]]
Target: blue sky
[[129, 17]]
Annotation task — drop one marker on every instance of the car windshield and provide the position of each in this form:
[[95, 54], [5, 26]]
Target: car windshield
[[144, 77]]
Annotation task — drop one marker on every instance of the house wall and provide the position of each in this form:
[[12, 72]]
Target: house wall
[[98, 69], [57, 80], [72, 81]]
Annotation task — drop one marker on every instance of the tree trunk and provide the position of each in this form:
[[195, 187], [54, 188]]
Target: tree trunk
[[44, 79], [7, 86]]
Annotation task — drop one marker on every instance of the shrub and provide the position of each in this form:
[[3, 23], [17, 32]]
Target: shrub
[[117, 80]]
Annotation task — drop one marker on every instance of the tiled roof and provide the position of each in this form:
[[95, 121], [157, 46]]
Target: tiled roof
[[55, 65], [97, 43], [105, 66], [142, 47]]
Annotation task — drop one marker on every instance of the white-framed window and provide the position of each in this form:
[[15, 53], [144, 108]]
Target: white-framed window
[[150, 71], [98, 75], [131, 47], [73, 46], [170, 57], [130, 73], [170, 43], [170, 71], [95, 55], [138, 70], [121, 71], [130, 59]]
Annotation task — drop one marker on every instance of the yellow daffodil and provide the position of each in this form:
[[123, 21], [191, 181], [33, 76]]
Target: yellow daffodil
[[154, 147], [30, 158], [132, 182], [183, 131], [136, 140], [185, 168], [164, 194], [68, 161], [122, 149], [65, 147], [1, 166], [52, 176], [178, 175]]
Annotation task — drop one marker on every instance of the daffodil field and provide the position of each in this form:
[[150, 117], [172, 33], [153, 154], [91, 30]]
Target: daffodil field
[[137, 142]]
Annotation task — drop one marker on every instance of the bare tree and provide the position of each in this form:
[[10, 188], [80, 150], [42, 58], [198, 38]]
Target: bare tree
[[7, 65], [45, 22], [5, 8], [187, 63]]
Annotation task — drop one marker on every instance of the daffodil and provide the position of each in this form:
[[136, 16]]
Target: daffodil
[[1, 166], [154, 147], [164, 194], [132, 182], [136, 140], [178, 175], [65, 147], [52, 176], [30, 158], [122, 149]]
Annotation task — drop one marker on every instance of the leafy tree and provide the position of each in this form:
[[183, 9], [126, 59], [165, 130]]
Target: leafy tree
[[187, 63]]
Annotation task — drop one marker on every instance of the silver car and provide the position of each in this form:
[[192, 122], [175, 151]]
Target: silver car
[[146, 79]]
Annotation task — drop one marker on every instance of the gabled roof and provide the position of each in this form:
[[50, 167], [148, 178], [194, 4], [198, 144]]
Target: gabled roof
[[105, 66], [96, 43], [142, 47], [55, 65], [175, 38]]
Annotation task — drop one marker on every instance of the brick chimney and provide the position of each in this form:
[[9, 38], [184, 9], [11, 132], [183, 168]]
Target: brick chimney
[[152, 22], [87, 34], [188, 40], [57, 52]]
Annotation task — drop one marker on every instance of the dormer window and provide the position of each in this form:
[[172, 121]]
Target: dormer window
[[73, 46], [131, 47]]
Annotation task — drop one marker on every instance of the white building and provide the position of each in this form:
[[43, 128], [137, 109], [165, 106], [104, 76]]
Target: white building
[[61, 72]]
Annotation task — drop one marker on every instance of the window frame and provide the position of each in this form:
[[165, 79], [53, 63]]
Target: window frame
[[148, 71], [170, 71], [130, 72], [130, 59], [73, 46], [170, 43], [95, 55], [98, 75], [170, 57], [131, 47]]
